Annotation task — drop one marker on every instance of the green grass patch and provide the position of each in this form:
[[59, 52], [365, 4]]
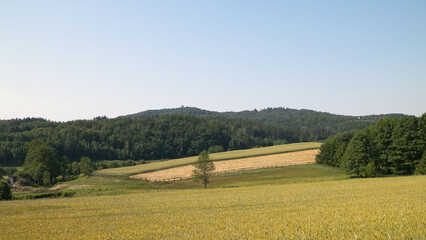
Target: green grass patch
[[254, 152], [49, 194], [116, 185]]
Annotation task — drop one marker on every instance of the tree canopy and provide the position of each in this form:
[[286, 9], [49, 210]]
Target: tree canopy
[[204, 168], [171, 133], [42, 164], [147, 138], [390, 147]]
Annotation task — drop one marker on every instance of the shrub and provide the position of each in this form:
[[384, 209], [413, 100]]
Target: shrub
[[421, 167], [215, 149], [24, 182], [371, 170], [5, 193]]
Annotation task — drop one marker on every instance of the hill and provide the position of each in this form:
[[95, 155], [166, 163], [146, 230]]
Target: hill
[[147, 138], [300, 125]]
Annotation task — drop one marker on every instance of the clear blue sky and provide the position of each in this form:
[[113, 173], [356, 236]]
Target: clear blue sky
[[65, 60]]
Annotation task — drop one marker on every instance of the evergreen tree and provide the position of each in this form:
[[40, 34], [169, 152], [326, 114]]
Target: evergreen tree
[[421, 167], [382, 132], [406, 148]]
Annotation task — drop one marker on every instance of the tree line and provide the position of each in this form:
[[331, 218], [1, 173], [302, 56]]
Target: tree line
[[390, 147], [145, 138], [299, 125]]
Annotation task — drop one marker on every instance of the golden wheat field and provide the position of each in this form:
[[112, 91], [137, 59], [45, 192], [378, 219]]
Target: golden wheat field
[[381, 208], [283, 159], [159, 165]]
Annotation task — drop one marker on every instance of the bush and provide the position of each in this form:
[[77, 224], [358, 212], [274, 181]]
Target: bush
[[55, 194], [215, 149], [10, 171], [421, 167], [371, 170], [24, 182], [141, 161], [5, 193]]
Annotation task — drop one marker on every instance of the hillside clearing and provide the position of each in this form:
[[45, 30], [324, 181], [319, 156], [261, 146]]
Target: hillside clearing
[[283, 159], [159, 165]]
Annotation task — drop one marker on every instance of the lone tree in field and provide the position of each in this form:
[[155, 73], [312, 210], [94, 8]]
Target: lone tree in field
[[204, 168]]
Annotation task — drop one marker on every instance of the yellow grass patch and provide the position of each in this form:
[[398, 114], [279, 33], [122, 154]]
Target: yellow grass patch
[[126, 171], [283, 159]]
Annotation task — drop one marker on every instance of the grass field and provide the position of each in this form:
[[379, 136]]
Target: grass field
[[282, 159], [127, 171], [113, 185], [381, 208]]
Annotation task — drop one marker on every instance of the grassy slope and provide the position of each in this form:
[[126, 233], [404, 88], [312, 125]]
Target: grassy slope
[[113, 185], [127, 171], [381, 208]]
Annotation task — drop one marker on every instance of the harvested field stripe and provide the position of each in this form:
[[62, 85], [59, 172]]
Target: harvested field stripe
[[283, 159], [160, 165]]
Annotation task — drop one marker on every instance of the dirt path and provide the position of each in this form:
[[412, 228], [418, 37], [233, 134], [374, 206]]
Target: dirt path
[[284, 159], [57, 187]]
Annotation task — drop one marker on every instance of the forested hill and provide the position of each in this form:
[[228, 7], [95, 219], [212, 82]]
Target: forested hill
[[300, 125], [162, 134], [148, 138]]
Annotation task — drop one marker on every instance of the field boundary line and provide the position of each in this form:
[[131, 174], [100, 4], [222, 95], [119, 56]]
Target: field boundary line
[[215, 173], [192, 162]]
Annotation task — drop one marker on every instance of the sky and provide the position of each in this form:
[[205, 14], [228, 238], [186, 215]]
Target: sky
[[68, 60]]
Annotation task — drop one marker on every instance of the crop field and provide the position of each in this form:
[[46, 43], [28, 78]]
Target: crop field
[[159, 165], [380, 208], [112, 185], [283, 159]]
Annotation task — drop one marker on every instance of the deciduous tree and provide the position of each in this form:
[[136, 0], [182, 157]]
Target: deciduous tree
[[86, 166], [204, 168], [42, 164]]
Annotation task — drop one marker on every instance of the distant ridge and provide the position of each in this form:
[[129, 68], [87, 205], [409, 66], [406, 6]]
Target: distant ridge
[[169, 111], [186, 110], [304, 124]]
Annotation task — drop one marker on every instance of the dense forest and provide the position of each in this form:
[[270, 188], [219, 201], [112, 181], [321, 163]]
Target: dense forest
[[390, 147], [300, 125], [171, 133], [144, 138]]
